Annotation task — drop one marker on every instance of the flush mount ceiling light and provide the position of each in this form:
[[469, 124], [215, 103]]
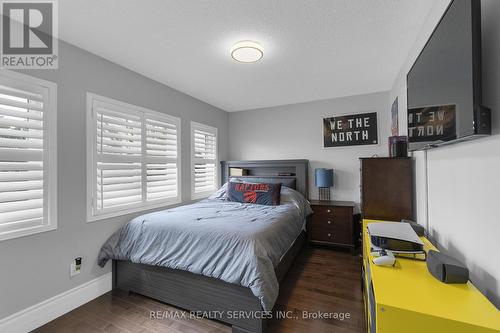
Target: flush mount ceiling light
[[247, 51]]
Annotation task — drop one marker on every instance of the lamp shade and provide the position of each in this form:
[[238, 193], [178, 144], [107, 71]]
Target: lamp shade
[[323, 177]]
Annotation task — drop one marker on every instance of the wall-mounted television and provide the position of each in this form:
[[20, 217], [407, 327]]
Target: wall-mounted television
[[444, 85]]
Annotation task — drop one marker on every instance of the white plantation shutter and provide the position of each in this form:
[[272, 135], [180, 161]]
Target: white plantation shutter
[[135, 162], [161, 159], [118, 158], [204, 160], [27, 190]]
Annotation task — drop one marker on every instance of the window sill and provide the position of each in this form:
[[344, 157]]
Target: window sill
[[199, 196], [163, 204], [26, 232]]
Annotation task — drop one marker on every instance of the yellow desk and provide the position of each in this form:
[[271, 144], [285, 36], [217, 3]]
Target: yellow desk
[[406, 298]]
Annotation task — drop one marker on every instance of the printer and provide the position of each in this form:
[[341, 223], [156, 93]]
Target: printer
[[395, 236]]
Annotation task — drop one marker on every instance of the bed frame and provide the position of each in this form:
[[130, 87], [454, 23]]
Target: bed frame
[[196, 292]]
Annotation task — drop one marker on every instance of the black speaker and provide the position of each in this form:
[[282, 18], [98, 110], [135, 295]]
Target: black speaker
[[446, 269], [398, 146], [482, 120]]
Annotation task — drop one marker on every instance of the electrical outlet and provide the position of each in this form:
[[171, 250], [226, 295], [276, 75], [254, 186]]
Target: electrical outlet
[[75, 267]]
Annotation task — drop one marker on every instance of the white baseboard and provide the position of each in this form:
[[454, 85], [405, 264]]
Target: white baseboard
[[39, 314]]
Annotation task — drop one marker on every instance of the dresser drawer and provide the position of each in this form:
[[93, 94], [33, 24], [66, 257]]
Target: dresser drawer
[[323, 210], [344, 213], [331, 235], [331, 229], [333, 216], [331, 223]]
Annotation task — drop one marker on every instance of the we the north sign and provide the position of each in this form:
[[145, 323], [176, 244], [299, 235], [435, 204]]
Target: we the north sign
[[350, 130]]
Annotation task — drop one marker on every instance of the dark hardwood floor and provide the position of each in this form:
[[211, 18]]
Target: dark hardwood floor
[[321, 280]]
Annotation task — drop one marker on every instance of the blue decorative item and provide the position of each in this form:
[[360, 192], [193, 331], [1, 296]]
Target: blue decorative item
[[323, 179]]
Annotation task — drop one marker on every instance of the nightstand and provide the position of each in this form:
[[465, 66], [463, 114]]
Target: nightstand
[[333, 223]]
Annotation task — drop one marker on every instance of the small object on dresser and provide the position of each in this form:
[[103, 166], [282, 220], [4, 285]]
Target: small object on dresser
[[238, 172], [398, 146], [323, 179], [445, 268]]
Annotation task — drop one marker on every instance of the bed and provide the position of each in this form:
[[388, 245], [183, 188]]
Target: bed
[[223, 259]]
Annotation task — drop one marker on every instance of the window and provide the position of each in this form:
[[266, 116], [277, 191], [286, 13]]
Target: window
[[28, 162], [133, 158], [203, 160]]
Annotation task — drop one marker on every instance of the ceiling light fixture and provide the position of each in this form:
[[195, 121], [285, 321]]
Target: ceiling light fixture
[[247, 51]]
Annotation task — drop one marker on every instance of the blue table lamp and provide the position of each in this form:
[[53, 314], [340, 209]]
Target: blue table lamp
[[323, 179]]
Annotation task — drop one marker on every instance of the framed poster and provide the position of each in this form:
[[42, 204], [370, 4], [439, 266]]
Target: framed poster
[[394, 118], [350, 130], [432, 123]]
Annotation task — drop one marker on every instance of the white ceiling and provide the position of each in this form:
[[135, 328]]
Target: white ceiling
[[314, 49]]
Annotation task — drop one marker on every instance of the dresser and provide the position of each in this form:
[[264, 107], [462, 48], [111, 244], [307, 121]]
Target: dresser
[[387, 188], [333, 223]]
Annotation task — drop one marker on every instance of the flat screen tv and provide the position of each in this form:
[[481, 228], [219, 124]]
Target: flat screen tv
[[444, 84]]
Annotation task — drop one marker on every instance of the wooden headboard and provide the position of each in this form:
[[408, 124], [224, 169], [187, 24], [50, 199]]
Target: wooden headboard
[[296, 169]]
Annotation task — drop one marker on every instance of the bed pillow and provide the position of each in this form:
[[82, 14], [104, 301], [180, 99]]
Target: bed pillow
[[261, 194], [220, 193], [288, 182]]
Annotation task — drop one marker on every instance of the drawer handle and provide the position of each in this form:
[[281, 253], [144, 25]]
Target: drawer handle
[[329, 222], [329, 235], [328, 211]]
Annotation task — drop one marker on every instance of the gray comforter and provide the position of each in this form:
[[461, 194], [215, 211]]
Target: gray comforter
[[237, 243]]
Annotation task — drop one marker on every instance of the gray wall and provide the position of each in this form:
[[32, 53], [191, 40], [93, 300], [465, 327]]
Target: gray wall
[[295, 131], [36, 267], [458, 185]]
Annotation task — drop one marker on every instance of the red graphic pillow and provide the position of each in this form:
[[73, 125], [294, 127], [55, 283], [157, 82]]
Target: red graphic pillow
[[261, 194]]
